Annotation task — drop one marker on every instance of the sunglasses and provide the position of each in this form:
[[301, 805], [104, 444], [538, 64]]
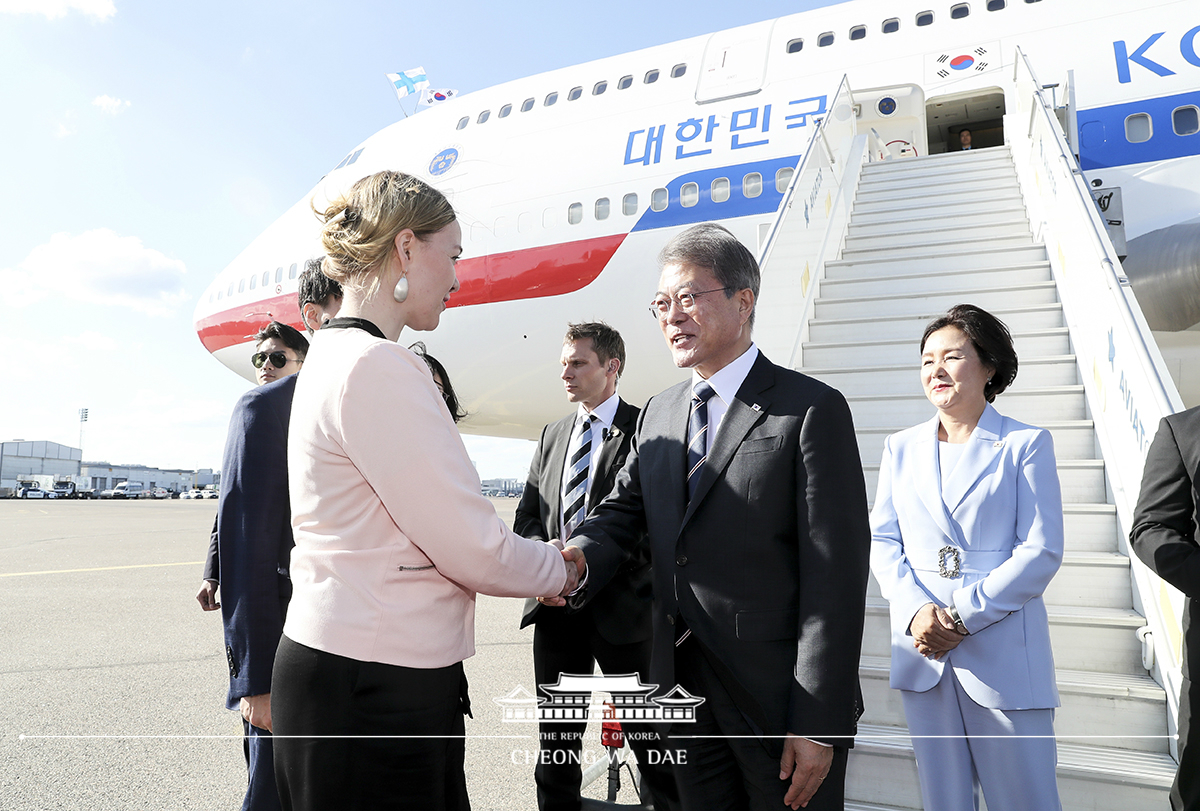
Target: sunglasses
[[278, 359]]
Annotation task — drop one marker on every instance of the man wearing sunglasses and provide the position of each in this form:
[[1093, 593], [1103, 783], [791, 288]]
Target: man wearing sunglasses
[[251, 543]]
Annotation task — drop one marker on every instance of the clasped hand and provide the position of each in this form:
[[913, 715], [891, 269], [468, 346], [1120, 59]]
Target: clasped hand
[[933, 632], [576, 566]]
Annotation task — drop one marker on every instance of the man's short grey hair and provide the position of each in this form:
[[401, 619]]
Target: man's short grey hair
[[712, 247]]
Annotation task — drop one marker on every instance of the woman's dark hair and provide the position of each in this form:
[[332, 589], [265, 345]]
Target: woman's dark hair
[[436, 368], [991, 339]]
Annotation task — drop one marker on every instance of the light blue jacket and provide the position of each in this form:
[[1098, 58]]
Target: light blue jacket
[[1001, 512]]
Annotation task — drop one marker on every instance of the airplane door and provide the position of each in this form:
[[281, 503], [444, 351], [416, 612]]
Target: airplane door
[[735, 62]]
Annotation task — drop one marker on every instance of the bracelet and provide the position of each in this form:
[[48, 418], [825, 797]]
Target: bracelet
[[958, 623]]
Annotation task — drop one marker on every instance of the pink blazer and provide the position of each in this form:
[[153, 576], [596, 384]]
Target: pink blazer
[[393, 538]]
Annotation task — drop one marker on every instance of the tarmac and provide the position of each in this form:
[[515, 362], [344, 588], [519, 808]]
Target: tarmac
[[113, 680]]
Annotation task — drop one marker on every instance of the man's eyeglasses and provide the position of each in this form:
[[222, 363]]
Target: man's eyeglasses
[[278, 359], [686, 301]]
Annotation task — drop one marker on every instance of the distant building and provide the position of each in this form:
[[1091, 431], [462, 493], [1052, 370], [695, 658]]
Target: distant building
[[500, 487], [23, 460], [105, 476]]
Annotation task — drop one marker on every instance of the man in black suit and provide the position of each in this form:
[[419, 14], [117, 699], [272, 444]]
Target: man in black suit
[[748, 483], [251, 542], [574, 466], [1164, 536]]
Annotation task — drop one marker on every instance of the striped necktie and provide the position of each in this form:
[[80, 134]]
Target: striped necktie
[[575, 482], [697, 448]]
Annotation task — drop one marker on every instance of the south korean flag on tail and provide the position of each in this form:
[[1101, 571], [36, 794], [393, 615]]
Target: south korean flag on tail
[[434, 95], [949, 66]]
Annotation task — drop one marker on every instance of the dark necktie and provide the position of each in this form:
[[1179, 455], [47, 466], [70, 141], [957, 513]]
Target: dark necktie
[[575, 482], [697, 449]]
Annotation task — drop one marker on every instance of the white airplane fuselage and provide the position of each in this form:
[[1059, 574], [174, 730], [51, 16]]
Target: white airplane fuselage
[[557, 196]]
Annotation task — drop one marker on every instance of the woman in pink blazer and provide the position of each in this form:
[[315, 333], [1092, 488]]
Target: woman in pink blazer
[[393, 539]]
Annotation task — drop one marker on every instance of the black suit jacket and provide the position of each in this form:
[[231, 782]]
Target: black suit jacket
[[768, 563], [252, 542], [621, 610], [1164, 523]]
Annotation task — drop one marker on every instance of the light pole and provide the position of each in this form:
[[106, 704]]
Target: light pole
[[83, 414]]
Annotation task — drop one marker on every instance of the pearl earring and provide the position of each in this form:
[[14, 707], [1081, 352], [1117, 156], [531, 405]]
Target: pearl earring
[[401, 291]]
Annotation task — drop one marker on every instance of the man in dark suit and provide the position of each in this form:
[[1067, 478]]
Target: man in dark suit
[[574, 467], [748, 483], [251, 543], [1165, 537]]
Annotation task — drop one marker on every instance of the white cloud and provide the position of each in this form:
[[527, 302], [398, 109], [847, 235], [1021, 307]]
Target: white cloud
[[98, 267], [108, 104], [63, 131], [57, 9]]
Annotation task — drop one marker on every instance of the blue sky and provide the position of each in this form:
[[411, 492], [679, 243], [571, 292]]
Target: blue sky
[[145, 144]]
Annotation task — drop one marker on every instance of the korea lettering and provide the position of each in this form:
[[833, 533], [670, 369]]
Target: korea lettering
[[746, 128]]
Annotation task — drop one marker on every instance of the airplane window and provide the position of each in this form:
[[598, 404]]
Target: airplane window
[[266, 278], [858, 32], [925, 18], [625, 82], [600, 87], [1138, 128], [1186, 120], [254, 281], [504, 111], [959, 11], [345, 160], [549, 217], [629, 205], [354, 157], [825, 40], [689, 195], [462, 122], [220, 295], [678, 70], [229, 292], [752, 184], [575, 213], [782, 178], [484, 116], [996, 5], [575, 93], [278, 275], [658, 199], [795, 46], [293, 271], [891, 26], [551, 98], [526, 105], [212, 297], [241, 285], [719, 189], [651, 77], [524, 222], [602, 207]]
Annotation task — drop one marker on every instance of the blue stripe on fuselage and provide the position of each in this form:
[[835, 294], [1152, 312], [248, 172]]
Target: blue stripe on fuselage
[[738, 204], [1102, 141]]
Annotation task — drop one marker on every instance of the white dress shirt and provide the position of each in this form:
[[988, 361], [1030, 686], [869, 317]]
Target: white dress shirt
[[725, 384]]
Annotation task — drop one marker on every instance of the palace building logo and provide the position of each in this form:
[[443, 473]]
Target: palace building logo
[[570, 699]]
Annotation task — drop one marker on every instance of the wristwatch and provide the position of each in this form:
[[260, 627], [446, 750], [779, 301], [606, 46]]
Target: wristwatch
[[958, 623]]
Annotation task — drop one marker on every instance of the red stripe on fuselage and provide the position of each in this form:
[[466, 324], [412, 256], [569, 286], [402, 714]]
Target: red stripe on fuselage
[[548, 270]]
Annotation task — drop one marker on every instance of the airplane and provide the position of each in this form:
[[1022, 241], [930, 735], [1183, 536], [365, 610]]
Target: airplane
[[568, 183]]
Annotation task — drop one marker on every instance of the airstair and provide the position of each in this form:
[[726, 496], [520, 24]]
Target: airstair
[[901, 241]]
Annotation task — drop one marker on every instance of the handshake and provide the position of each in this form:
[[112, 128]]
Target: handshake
[[576, 573]]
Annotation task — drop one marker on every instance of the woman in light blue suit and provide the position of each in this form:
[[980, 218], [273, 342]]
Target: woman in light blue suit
[[967, 532]]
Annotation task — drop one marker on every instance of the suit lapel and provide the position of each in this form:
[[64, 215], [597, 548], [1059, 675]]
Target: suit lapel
[[606, 448], [978, 457], [929, 479], [555, 459], [749, 407]]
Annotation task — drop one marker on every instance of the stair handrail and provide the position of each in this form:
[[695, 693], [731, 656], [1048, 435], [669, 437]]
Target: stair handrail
[[1105, 323], [832, 169]]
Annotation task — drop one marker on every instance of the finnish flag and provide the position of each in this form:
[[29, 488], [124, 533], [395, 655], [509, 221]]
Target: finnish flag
[[408, 82]]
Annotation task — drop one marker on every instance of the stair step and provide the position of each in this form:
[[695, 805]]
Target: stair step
[[912, 327], [919, 195], [1082, 480], [905, 354], [1073, 439], [967, 258], [1037, 372], [1033, 406], [1097, 778], [990, 156], [977, 177], [983, 211], [965, 280], [935, 245], [1094, 639], [1012, 222], [937, 207], [1130, 710]]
